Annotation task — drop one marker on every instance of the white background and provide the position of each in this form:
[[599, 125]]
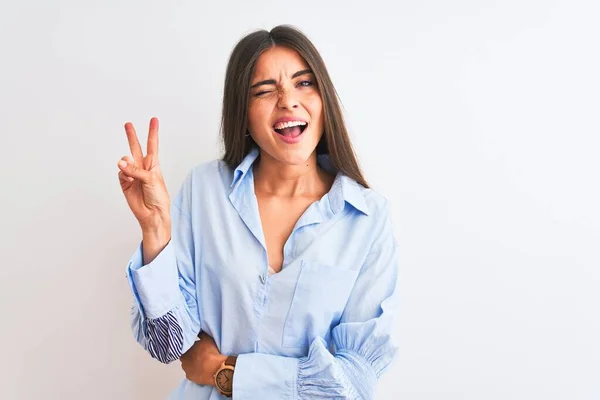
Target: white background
[[477, 119]]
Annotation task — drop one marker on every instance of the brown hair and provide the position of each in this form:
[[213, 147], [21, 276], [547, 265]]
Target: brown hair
[[234, 122]]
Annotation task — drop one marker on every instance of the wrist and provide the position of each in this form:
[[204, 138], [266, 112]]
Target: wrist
[[154, 240], [161, 226], [225, 375], [215, 364]]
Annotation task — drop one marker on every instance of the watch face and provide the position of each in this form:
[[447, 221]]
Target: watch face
[[225, 380]]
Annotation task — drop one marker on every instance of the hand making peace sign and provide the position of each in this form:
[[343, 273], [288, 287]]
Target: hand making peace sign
[[142, 181]]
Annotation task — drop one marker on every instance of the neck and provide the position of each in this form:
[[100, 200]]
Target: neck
[[305, 180]]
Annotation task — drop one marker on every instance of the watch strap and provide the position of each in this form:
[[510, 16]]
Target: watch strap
[[231, 360]]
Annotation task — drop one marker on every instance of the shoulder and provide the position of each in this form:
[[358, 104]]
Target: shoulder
[[381, 223], [208, 169], [211, 171], [380, 219], [376, 202], [213, 174]]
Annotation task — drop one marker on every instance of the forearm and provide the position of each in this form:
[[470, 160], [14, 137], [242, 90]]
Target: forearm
[[165, 318]]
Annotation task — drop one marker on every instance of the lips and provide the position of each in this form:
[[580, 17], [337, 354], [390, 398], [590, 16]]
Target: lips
[[290, 131]]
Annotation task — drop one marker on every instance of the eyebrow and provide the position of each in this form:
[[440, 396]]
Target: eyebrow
[[273, 81]]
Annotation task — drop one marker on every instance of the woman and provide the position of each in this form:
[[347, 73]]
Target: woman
[[278, 257]]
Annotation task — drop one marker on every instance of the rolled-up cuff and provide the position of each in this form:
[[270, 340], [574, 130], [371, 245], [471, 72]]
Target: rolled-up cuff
[[155, 286], [265, 376]]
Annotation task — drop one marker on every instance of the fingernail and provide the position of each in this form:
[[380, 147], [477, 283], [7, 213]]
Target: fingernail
[[122, 163]]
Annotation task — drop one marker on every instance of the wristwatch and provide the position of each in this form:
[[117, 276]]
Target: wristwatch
[[224, 376]]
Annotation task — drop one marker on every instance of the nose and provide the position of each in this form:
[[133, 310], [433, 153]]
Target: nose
[[287, 100]]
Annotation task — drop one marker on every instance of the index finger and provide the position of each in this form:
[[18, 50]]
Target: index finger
[[152, 147], [134, 143]]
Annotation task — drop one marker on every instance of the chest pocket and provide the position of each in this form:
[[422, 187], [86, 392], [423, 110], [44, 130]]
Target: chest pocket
[[318, 302]]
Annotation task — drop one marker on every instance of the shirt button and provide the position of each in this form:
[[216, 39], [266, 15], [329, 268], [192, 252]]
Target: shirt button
[[262, 278]]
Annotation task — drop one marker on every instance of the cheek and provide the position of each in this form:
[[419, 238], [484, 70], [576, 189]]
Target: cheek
[[254, 116], [314, 106], [251, 115], [258, 112]]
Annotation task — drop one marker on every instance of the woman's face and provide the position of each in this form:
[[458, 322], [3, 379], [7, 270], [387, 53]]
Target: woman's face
[[285, 113]]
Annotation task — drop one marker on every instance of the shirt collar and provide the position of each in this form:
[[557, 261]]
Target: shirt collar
[[244, 166], [344, 188]]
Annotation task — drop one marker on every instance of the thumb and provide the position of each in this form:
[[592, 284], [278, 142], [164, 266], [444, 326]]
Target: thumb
[[132, 170]]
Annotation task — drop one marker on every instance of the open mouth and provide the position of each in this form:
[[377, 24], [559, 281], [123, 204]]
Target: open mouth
[[290, 129]]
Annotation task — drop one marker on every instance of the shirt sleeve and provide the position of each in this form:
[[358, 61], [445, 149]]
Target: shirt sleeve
[[165, 317], [364, 347]]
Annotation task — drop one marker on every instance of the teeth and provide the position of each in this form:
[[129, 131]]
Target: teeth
[[289, 124]]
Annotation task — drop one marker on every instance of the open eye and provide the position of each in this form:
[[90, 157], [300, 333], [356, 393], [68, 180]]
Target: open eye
[[306, 83]]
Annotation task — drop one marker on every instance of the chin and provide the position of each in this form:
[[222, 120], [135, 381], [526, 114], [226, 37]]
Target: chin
[[294, 157]]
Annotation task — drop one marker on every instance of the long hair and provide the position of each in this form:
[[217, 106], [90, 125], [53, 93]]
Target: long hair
[[240, 69]]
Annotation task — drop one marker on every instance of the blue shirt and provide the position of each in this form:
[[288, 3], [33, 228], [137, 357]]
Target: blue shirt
[[319, 328]]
